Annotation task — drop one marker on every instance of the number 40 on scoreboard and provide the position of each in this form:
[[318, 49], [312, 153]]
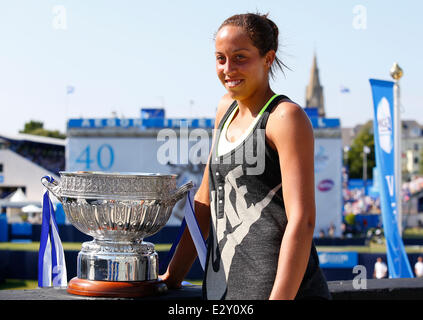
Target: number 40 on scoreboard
[[92, 158]]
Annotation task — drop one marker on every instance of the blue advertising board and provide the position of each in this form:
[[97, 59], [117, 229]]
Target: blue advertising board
[[139, 123], [322, 123], [338, 259], [161, 122]]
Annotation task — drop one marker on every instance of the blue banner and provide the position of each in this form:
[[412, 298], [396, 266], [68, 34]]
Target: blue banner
[[140, 123], [338, 259], [383, 127]]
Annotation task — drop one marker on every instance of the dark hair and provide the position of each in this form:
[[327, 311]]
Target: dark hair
[[263, 33]]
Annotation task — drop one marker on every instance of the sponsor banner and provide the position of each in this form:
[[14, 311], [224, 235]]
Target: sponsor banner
[[161, 122], [328, 185], [139, 123], [338, 259], [152, 113], [383, 127]]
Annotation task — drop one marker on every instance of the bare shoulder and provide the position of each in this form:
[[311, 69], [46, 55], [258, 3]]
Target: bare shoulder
[[288, 119], [288, 113], [287, 110], [223, 106]]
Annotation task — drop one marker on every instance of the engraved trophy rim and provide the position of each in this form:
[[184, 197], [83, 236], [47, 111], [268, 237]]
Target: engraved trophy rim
[[122, 174], [115, 185]]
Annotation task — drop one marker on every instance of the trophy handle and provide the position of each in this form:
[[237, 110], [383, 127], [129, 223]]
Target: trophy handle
[[180, 193], [52, 185]]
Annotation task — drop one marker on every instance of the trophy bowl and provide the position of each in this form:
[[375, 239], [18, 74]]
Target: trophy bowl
[[118, 210]]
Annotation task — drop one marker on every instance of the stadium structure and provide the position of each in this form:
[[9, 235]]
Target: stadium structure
[[24, 159]]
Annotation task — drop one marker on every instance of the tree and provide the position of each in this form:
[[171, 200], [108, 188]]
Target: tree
[[37, 128], [355, 155], [32, 126]]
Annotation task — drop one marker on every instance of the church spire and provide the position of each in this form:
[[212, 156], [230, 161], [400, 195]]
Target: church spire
[[314, 91]]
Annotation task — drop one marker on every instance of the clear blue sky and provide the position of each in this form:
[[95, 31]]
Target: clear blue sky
[[123, 55]]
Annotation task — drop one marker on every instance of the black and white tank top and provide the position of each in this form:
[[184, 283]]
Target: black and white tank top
[[248, 218]]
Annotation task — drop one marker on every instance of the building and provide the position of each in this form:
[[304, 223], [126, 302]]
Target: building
[[412, 147], [314, 91], [24, 160]]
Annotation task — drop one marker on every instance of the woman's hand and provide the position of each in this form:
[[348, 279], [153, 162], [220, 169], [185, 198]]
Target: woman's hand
[[170, 282]]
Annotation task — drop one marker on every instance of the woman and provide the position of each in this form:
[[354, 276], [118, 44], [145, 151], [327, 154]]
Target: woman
[[256, 200]]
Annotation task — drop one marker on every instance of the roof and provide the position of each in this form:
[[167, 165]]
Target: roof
[[34, 138], [17, 196]]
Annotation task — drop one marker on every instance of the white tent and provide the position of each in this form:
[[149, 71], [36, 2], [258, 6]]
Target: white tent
[[31, 209], [17, 196], [14, 211]]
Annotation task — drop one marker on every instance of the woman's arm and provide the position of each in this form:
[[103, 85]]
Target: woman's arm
[[291, 133], [186, 252]]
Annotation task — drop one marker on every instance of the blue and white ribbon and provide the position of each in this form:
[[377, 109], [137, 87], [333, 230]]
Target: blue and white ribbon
[[191, 221], [194, 229], [51, 257]]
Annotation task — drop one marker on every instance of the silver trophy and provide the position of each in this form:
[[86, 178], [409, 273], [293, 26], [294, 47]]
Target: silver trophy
[[118, 210]]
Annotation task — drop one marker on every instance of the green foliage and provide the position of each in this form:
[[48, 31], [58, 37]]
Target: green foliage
[[32, 126], [355, 154], [37, 128]]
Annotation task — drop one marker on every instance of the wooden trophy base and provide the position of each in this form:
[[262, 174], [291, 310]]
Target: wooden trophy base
[[116, 289]]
